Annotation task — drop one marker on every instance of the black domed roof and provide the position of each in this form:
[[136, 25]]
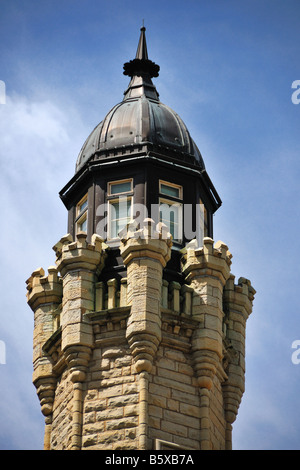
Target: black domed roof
[[140, 118]]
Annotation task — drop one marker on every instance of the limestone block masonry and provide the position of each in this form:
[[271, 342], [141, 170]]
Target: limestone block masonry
[[139, 363]]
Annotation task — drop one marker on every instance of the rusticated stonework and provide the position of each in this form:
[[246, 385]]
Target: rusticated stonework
[[139, 363]]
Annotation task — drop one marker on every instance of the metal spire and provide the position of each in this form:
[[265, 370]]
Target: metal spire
[[142, 52], [141, 70]]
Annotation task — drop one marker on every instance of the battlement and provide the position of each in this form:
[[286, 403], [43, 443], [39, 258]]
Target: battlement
[[211, 258], [129, 361], [44, 289]]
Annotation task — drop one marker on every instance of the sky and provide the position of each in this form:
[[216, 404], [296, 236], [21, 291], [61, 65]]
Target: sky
[[227, 68]]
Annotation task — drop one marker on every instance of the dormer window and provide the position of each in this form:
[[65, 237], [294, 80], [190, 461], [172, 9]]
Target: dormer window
[[119, 197], [82, 215], [170, 208]]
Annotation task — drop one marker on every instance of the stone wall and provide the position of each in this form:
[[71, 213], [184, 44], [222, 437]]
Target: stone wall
[[62, 413], [141, 363], [111, 401], [174, 405]]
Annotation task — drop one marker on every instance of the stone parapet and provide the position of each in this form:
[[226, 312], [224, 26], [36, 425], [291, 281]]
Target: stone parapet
[[145, 253], [211, 259], [43, 289], [206, 270], [79, 262], [139, 361], [79, 254], [44, 295], [238, 300]]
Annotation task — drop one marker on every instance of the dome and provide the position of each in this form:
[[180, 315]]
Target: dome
[[140, 118]]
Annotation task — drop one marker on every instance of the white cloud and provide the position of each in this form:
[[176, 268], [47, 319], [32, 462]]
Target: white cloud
[[39, 144]]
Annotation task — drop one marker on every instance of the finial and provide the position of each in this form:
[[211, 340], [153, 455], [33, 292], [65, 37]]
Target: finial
[[141, 64], [142, 52], [141, 70]]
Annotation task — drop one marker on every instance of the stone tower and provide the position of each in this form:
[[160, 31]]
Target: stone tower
[[139, 328]]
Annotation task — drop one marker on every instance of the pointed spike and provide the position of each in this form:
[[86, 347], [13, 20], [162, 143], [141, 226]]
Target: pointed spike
[[142, 52]]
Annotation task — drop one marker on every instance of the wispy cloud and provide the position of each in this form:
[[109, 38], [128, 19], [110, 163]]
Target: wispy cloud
[[39, 141]]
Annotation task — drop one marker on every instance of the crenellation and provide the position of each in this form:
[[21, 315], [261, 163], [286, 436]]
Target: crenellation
[[238, 300], [123, 362]]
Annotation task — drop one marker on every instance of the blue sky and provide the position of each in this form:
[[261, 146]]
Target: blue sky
[[227, 69]]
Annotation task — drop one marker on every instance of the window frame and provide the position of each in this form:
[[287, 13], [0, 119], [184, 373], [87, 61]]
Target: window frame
[[113, 183], [175, 201], [117, 197], [205, 218], [172, 185], [81, 216]]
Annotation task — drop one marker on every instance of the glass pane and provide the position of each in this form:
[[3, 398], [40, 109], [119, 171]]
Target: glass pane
[[120, 209], [82, 226], [170, 216], [120, 214], [117, 188], [169, 212], [169, 190], [203, 218], [82, 206], [113, 230]]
